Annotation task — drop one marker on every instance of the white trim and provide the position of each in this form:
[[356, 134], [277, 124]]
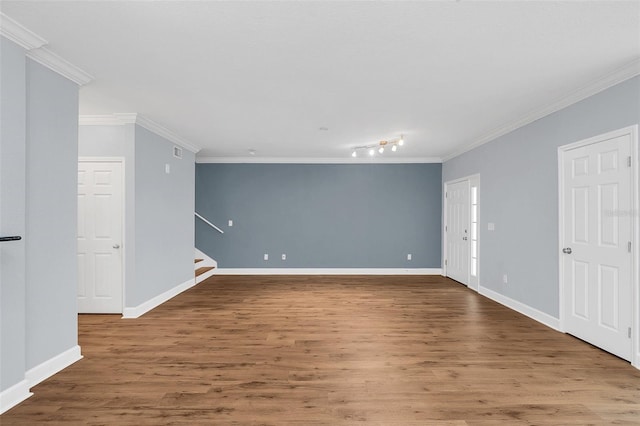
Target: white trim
[[199, 216], [103, 120], [14, 395], [141, 309], [635, 230], [328, 271], [19, 34], [206, 275], [46, 57], [120, 119], [159, 130], [604, 82], [52, 366], [307, 160], [520, 307]]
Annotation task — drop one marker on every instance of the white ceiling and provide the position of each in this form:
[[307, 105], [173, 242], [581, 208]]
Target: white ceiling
[[230, 76]]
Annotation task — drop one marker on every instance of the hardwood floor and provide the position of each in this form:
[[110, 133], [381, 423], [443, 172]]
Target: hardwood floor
[[309, 350]]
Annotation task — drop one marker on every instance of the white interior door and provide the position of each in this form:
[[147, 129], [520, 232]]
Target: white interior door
[[596, 259], [100, 237], [457, 231]]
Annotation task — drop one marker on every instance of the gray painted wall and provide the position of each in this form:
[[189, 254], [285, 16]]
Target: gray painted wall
[[164, 224], [320, 215], [51, 214], [519, 193], [117, 141], [12, 212], [159, 227]]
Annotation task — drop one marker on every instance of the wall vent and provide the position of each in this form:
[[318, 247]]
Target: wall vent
[[177, 152]]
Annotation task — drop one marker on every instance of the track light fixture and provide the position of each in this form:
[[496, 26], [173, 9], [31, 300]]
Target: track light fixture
[[380, 147]]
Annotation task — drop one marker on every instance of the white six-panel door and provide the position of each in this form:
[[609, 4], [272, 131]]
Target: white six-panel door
[[597, 233], [99, 237], [457, 231]]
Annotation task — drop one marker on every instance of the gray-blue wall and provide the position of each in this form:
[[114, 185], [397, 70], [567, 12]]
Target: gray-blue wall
[[519, 193], [164, 227], [12, 212], [38, 199], [320, 215], [159, 227], [51, 214]]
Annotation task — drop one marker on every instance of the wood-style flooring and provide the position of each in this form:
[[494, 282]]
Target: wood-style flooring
[[348, 350]]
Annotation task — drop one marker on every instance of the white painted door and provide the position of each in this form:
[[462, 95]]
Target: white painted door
[[99, 237], [457, 231], [596, 257]]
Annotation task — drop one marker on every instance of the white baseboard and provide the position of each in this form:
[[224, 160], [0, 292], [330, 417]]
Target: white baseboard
[[527, 310], [50, 367], [14, 395], [137, 311], [328, 271]]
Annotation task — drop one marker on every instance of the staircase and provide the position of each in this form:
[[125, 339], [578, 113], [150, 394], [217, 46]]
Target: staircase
[[204, 266]]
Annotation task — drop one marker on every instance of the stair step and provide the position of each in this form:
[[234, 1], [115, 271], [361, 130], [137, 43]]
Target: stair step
[[203, 269], [198, 260]]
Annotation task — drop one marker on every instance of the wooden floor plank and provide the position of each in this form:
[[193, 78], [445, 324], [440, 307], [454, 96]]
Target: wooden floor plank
[[313, 350]]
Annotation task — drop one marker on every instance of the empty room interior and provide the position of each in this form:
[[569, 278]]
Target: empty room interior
[[319, 213]]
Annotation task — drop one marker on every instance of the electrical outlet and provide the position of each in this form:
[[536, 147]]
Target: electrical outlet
[[230, 222], [409, 256], [284, 256], [167, 168], [491, 226], [504, 279], [266, 256]]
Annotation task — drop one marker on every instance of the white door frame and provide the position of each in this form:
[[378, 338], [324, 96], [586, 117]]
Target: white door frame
[[635, 232], [474, 180], [123, 246]]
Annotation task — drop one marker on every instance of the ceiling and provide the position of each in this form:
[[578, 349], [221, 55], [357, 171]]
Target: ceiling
[[309, 80]]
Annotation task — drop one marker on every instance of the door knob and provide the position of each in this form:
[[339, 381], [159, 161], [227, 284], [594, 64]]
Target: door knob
[[566, 250], [116, 246]]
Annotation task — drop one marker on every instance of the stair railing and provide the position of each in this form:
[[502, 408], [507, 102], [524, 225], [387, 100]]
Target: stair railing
[[208, 223]]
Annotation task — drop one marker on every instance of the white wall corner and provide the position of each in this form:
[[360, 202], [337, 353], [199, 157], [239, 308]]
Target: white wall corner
[[52, 366], [329, 271], [19, 34], [603, 82], [14, 395], [522, 308], [143, 308]]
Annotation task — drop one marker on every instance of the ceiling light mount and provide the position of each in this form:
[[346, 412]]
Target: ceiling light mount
[[379, 146]]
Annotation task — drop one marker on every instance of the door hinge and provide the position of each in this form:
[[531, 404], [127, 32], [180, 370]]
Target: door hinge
[[629, 246], [629, 332], [445, 262], [629, 161], [445, 228], [446, 195]]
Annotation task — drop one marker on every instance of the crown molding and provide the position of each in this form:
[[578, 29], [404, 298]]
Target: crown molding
[[100, 120], [120, 119], [63, 67], [19, 34], [307, 160], [166, 133], [598, 85]]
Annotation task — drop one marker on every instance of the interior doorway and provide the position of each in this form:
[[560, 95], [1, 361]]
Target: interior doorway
[[461, 242], [100, 235], [598, 239]]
